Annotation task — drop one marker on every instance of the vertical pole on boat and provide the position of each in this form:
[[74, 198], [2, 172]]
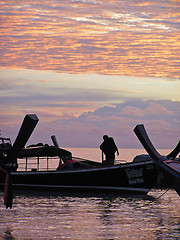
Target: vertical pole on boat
[[47, 163], [38, 163], [102, 157], [55, 142], [26, 163]]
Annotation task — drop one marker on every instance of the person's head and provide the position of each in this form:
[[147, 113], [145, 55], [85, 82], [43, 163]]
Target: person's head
[[105, 137]]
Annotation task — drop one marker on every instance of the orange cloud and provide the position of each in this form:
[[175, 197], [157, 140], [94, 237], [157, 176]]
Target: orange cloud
[[87, 37]]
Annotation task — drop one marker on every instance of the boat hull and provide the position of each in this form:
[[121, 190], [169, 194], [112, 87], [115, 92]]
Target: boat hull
[[172, 170], [129, 177]]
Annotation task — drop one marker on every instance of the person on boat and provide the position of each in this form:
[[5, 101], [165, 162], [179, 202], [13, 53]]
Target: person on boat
[[109, 148]]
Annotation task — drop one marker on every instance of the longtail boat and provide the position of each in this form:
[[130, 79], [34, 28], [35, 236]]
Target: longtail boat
[[72, 174]]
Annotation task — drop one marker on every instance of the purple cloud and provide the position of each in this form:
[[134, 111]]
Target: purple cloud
[[161, 119]]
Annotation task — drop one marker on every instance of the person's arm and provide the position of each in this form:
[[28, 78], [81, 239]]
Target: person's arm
[[117, 152]]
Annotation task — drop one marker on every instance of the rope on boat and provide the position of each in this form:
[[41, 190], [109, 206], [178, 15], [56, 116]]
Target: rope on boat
[[117, 161], [79, 160], [163, 194]]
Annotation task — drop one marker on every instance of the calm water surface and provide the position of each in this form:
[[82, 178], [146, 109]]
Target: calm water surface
[[37, 215]]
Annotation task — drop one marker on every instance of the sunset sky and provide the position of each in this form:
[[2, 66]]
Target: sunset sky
[[88, 68]]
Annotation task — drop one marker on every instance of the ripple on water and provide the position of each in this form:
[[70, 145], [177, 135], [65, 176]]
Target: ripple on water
[[37, 216]]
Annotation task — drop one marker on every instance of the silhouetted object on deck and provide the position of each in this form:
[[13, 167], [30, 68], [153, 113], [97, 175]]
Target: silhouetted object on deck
[[68, 164], [109, 148], [54, 140]]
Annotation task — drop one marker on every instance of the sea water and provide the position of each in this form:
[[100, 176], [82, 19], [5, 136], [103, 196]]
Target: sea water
[[39, 215]]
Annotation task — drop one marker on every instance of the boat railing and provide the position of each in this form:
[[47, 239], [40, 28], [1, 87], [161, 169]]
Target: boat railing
[[48, 163], [38, 163]]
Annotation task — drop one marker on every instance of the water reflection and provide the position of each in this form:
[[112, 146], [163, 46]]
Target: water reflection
[[68, 216], [8, 235]]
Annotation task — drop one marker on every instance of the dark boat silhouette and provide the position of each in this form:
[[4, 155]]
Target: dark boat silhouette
[[169, 165], [76, 174]]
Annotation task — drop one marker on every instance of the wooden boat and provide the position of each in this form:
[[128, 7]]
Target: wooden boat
[[168, 165], [77, 174], [84, 175]]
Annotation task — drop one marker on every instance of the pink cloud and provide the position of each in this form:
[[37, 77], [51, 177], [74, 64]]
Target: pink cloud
[[133, 111], [155, 108], [151, 109]]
